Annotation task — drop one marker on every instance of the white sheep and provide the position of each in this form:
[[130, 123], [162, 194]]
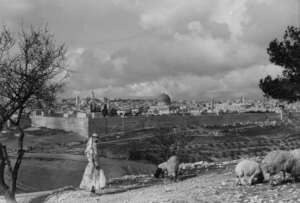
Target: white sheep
[[170, 167], [295, 153], [295, 171], [186, 166], [248, 169], [278, 161]]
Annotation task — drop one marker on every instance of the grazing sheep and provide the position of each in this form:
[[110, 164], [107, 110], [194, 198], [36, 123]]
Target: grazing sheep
[[295, 172], [186, 166], [170, 167], [295, 153], [250, 169], [276, 162]]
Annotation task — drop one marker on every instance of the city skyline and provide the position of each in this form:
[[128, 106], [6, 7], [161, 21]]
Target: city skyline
[[139, 49]]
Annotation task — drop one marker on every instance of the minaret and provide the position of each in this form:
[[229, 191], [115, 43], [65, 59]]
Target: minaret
[[107, 102], [212, 103], [77, 101], [93, 95], [242, 100], [93, 102]]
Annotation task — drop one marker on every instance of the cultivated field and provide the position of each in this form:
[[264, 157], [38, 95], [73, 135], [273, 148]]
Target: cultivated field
[[215, 142]]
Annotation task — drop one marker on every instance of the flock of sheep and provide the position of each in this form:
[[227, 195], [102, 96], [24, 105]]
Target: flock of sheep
[[249, 171]]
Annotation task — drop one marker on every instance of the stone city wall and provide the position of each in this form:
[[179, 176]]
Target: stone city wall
[[87, 126], [118, 124], [77, 125]]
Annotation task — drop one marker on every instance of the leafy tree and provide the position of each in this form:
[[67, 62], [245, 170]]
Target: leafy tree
[[31, 71], [285, 53]]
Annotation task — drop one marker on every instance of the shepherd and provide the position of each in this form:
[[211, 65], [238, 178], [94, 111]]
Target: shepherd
[[93, 178]]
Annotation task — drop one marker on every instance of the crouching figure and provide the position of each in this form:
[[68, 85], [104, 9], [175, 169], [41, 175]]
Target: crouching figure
[[168, 168], [248, 169], [93, 178], [161, 170], [278, 161]]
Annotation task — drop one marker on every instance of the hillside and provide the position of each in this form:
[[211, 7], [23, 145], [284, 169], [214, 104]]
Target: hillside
[[211, 144], [212, 187], [55, 159]]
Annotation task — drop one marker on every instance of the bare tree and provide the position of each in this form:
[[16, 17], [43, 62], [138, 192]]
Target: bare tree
[[31, 70]]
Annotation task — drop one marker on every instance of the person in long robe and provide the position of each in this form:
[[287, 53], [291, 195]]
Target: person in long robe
[[93, 178]]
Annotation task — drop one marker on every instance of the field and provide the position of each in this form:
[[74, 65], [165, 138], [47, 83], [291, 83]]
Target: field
[[197, 143], [55, 158]]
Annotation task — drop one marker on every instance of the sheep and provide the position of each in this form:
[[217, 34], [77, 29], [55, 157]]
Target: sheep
[[170, 167], [250, 169], [295, 171], [295, 167], [277, 161], [187, 166], [295, 153]]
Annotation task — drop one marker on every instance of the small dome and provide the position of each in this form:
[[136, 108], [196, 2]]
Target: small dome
[[164, 98]]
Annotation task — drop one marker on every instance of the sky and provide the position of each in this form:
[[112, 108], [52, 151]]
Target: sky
[[192, 49]]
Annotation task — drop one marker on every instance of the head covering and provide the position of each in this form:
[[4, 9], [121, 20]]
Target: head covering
[[94, 135]]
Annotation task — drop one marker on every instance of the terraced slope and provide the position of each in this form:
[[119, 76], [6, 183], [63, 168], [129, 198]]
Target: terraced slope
[[211, 144]]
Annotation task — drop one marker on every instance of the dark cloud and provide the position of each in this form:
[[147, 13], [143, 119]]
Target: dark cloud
[[191, 49]]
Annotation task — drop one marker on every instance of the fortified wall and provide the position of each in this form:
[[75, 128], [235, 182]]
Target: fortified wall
[[77, 125], [85, 126]]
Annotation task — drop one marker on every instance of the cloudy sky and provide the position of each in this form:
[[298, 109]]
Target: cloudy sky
[[194, 49]]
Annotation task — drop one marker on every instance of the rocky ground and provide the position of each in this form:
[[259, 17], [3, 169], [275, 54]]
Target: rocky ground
[[212, 187]]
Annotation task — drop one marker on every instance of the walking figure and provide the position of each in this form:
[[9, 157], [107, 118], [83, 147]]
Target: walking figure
[[93, 178]]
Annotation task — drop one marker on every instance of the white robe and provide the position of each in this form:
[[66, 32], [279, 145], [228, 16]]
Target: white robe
[[92, 176]]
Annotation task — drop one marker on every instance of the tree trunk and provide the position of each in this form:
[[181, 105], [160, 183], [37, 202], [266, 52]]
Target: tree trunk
[[9, 197], [5, 190], [10, 191], [15, 171]]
